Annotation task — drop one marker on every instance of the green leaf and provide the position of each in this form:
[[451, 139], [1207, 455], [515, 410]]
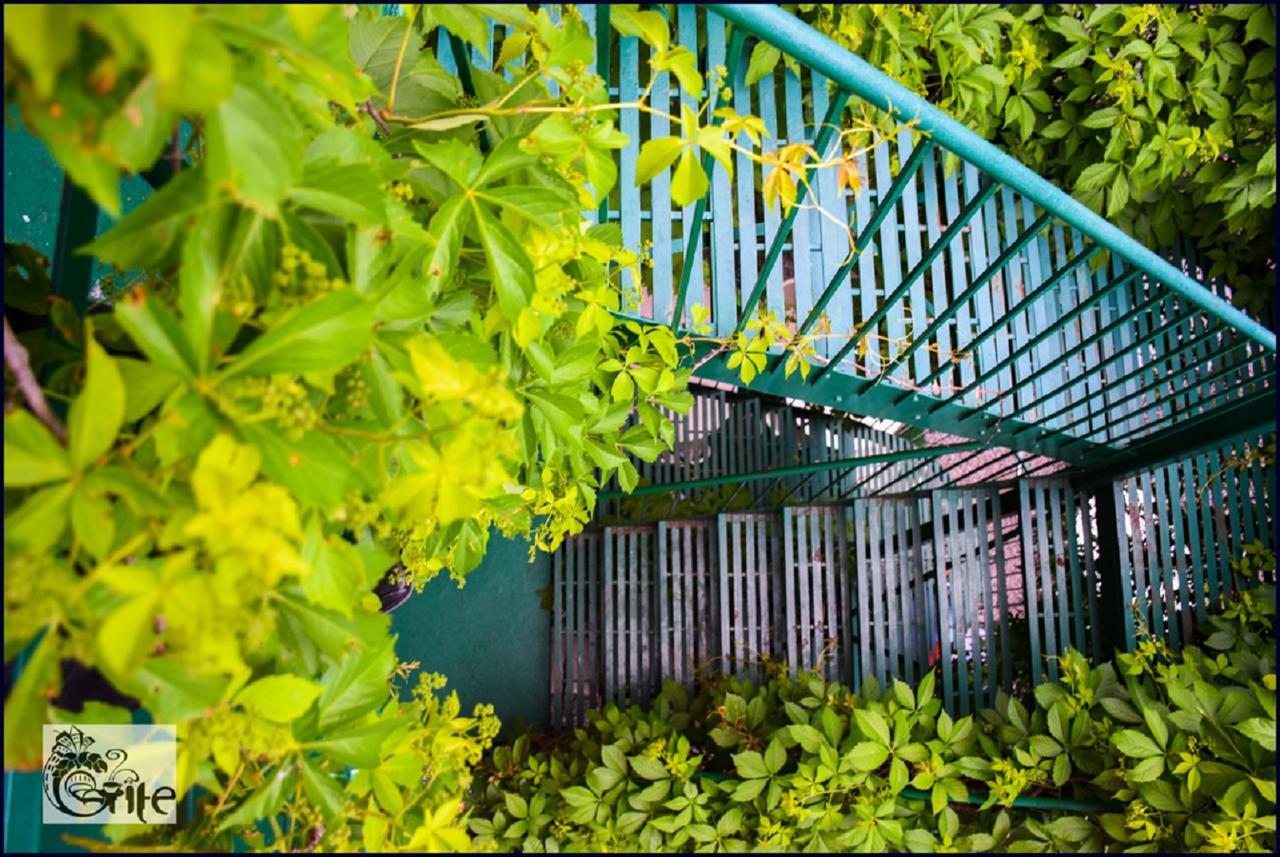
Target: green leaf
[[1155, 723], [98, 411], [650, 769], [156, 332], [350, 192], [601, 779], [172, 693], [126, 634], [266, 801], [510, 270], [748, 790], [1147, 770], [359, 746], [650, 26], [356, 686], [750, 764], [1072, 828], [25, 709], [657, 155], [1120, 709], [322, 789], [279, 698], [1261, 730], [764, 59], [254, 148], [873, 725], [689, 183], [149, 236], [867, 755], [32, 455], [614, 758], [324, 335], [1135, 744]]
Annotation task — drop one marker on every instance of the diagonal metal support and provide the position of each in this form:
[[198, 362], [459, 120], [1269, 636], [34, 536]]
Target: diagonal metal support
[[797, 470], [1147, 391], [961, 299], [838, 101], [1056, 327], [867, 235], [1034, 295], [864, 330], [1152, 302]]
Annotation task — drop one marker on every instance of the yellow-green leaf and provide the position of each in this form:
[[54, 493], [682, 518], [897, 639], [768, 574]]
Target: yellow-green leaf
[[98, 412]]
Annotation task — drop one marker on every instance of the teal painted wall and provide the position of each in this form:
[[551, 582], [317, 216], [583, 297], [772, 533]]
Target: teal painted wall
[[491, 638]]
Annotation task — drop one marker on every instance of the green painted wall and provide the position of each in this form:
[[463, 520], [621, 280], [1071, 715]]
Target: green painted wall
[[491, 638]]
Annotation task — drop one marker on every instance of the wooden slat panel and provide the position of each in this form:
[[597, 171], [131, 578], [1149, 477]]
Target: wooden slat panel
[[687, 25]]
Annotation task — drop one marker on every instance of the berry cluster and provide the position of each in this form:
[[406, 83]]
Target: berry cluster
[[302, 279]]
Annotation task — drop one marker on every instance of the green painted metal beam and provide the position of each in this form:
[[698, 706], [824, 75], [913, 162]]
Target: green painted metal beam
[[604, 62], [787, 33], [1021, 306], [1161, 330], [794, 470], [686, 274], [887, 303], [1056, 328], [961, 299], [829, 124], [736, 43], [867, 235], [834, 392], [1251, 417], [1146, 391], [77, 224], [1231, 401]]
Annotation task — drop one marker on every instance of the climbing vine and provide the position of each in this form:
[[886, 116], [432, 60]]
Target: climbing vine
[[1160, 116]]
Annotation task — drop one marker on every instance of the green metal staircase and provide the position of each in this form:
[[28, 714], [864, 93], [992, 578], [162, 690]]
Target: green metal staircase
[[970, 306], [1071, 398]]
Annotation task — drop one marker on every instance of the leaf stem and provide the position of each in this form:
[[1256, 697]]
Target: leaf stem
[[404, 46], [16, 358]]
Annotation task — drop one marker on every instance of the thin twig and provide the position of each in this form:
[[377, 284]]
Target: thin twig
[[15, 357], [377, 117]]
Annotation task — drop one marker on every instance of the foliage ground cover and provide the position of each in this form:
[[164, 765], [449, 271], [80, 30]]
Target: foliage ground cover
[[1173, 752]]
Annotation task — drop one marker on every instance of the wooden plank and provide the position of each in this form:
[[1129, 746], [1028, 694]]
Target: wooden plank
[[1049, 594], [665, 574], [687, 25], [805, 220], [1029, 577], [611, 593], [977, 264], [1055, 525], [745, 173], [938, 271], [862, 575], [629, 123], [889, 249], [832, 238], [558, 684], [910, 620], [1154, 508], [945, 612], [726, 614], [1178, 542], [1089, 521], [1127, 583], [962, 321], [868, 286], [724, 285], [821, 537], [1075, 573], [1002, 596], [984, 668], [748, 572]]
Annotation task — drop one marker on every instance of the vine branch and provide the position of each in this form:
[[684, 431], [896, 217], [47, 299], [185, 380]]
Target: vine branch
[[15, 357]]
